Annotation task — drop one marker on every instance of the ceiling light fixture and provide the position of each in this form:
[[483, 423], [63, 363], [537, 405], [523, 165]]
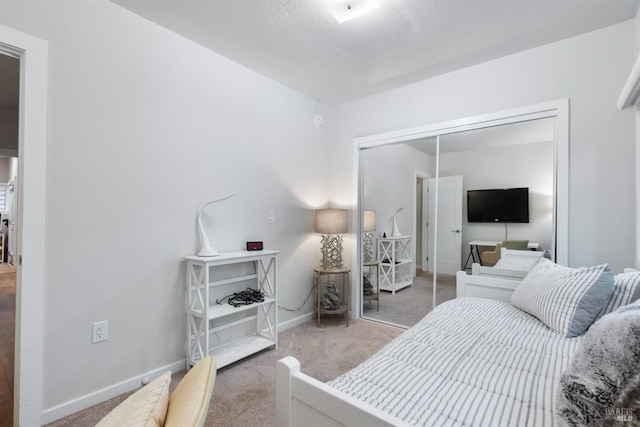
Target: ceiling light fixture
[[344, 10]]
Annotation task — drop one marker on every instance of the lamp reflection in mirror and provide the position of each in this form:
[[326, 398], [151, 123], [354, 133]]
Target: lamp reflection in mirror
[[331, 223], [396, 232], [368, 225], [205, 246]]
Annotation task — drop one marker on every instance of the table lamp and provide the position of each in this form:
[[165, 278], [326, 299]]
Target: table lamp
[[369, 225], [331, 223], [206, 250], [396, 232]]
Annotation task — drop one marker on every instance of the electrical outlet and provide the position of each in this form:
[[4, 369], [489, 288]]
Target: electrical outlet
[[100, 331]]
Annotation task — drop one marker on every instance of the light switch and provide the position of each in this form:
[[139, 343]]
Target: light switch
[[272, 217]]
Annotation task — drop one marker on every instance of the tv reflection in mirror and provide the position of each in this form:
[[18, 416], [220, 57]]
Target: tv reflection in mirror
[[498, 205]]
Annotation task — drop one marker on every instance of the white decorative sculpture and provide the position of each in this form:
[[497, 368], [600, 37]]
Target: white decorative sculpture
[[206, 249], [396, 232]]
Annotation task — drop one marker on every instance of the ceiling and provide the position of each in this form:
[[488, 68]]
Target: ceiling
[[300, 44]]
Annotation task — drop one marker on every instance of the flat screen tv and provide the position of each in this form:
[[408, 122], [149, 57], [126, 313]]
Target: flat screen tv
[[499, 205]]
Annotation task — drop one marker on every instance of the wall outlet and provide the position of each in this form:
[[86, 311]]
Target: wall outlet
[[100, 331]]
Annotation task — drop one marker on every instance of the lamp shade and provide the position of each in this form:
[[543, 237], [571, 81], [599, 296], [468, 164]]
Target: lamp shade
[[331, 221], [369, 221]]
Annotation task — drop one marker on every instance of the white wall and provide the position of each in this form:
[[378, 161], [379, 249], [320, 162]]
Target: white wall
[[144, 128], [590, 70], [523, 165], [389, 179]]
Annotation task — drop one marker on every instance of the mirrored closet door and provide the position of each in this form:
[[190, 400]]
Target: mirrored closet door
[[415, 230]]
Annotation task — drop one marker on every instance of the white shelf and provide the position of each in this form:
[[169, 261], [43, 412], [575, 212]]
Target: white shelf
[[235, 337], [220, 310], [398, 285], [400, 262], [240, 349], [232, 257], [396, 263]]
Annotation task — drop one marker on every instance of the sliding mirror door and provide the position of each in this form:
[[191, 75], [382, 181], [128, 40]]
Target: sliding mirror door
[[507, 175], [422, 235], [396, 286]]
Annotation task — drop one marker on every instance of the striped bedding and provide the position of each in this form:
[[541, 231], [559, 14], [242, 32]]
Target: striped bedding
[[470, 362]]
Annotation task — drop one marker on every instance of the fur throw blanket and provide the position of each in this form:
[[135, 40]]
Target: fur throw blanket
[[601, 387]]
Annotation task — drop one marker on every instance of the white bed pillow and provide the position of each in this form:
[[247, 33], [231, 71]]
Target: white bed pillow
[[147, 407], [567, 300], [626, 289]]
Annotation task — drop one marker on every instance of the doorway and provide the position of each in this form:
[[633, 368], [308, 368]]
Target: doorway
[[9, 129], [421, 220], [448, 223], [32, 54]]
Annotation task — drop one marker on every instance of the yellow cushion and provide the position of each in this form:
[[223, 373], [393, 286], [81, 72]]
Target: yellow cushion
[[146, 407], [189, 402]]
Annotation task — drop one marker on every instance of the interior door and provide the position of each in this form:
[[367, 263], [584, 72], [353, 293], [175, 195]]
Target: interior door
[[425, 225], [449, 224]]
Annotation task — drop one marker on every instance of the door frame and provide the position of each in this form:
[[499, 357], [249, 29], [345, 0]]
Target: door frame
[[31, 218], [558, 109], [424, 237]]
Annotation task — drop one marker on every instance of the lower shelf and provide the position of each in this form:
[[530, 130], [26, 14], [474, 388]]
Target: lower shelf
[[233, 352], [341, 310], [399, 285]]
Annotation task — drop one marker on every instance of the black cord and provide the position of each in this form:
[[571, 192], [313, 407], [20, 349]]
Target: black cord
[[302, 305], [246, 297]]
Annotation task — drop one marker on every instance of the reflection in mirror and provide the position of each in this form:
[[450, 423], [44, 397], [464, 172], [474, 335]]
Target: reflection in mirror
[[393, 177], [516, 156], [399, 183]]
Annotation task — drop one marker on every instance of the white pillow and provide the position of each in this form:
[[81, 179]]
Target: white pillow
[[567, 300], [146, 407], [626, 289]]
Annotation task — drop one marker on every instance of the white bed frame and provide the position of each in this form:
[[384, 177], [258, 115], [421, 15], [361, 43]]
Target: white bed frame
[[505, 273], [501, 273], [486, 286], [303, 401]]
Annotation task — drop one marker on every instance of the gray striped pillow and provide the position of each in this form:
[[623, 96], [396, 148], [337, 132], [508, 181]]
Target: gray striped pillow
[[626, 289], [567, 300]]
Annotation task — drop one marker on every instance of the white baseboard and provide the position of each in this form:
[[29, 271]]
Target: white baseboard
[[83, 402], [99, 396], [295, 322]]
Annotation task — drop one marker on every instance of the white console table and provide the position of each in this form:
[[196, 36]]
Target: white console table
[[474, 244], [230, 333]]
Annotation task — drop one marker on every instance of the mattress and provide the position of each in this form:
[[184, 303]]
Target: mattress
[[470, 362]]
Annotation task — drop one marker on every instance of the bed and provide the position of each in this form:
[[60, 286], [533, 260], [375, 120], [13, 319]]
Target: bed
[[470, 362], [513, 263], [513, 266]]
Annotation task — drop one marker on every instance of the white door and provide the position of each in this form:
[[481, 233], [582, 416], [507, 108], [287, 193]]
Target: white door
[[449, 227]]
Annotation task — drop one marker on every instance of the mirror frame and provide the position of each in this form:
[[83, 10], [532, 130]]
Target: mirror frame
[[558, 109]]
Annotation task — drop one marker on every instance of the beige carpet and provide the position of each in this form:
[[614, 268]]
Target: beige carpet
[[411, 304], [244, 394]]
